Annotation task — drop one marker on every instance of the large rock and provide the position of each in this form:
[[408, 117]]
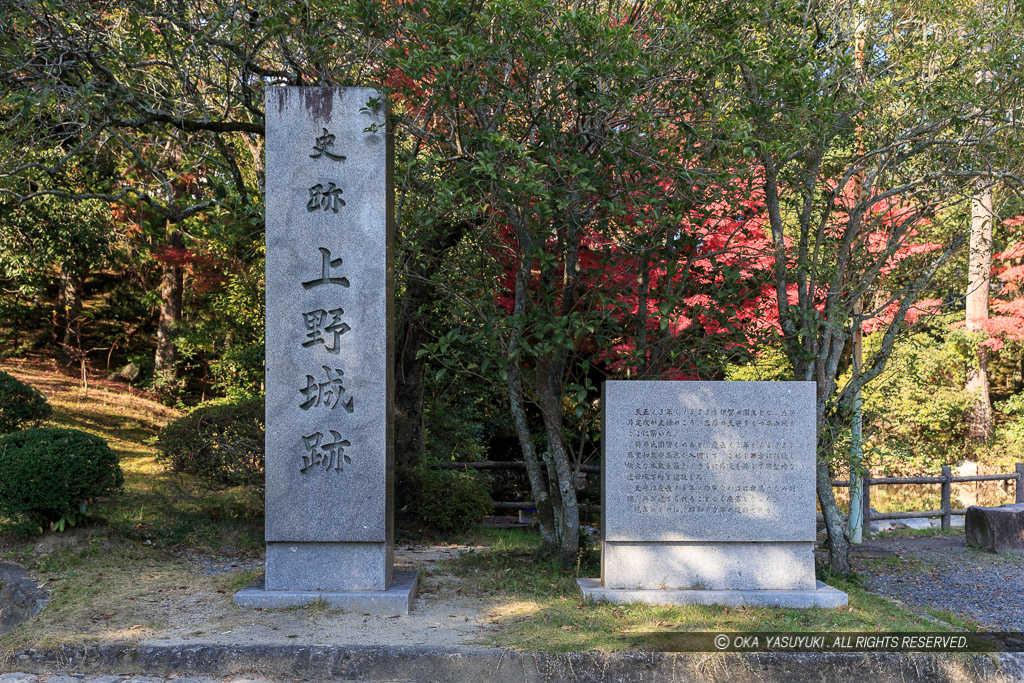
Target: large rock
[[129, 373], [20, 597], [996, 529]]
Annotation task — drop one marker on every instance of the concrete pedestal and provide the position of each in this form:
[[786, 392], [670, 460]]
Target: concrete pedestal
[[397, 599], [821, 596]]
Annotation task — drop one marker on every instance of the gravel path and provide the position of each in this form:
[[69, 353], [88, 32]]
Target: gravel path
[[943, 573]]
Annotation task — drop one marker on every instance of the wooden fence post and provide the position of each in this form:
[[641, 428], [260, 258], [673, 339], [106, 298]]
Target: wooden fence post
[[947, 486], [1019, 489], [865, 499]]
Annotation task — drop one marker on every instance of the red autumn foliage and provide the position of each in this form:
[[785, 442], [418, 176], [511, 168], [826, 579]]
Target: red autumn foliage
[[1006, 321], [705, 287]]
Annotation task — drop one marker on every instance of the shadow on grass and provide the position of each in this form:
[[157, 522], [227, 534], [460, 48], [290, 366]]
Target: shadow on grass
[[539, 607]]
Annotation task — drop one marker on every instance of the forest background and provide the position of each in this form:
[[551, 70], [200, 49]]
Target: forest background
[[584, 190]]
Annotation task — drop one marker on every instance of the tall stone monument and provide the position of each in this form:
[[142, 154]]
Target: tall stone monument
[[329, 224], [708, 495]]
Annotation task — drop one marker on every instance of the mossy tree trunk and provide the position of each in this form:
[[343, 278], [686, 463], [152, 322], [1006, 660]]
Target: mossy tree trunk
[[172, 287]]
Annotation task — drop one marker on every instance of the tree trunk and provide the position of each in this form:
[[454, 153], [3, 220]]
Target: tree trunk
[[980, 426], [71, 286], [835, 522], [643, 365], [517, 407], [60, 313], [561, 477], [171, 292]]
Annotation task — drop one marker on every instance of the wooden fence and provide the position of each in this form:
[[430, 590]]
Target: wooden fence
[[946, 480]]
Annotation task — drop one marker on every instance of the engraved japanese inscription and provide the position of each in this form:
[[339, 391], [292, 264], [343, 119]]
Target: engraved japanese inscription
[[319, 453], [709, 460]]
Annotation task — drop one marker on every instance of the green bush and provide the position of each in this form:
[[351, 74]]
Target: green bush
[[49, 476], [21, 405], [220, 442], [445, 500]]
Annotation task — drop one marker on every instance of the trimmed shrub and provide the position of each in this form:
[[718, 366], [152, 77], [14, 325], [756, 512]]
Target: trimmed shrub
[[21, 405], [445, 500], [220, 442], [49, 476]]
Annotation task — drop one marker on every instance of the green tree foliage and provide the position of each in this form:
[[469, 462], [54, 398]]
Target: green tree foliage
[[443, 500], [542, 145], [916, 412], [852, 155], [556, 123], [157, 107], [54, 236]]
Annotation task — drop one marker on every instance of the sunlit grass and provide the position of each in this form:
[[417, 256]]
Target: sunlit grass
[[155, 505], [101, 590], [539, 606], [113, 578], [119, 577]]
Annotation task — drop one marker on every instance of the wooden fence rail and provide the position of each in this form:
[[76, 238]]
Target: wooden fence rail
[[946, 480]]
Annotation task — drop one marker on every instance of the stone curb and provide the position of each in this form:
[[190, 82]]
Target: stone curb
[[381, 663]]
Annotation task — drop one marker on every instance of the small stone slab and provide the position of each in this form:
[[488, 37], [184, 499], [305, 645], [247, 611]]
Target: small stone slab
[[872, 552], [996, 529], [397, 599], [822, 596]]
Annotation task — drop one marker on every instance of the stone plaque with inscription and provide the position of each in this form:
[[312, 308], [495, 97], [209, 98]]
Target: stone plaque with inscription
[[328, 352], [708, 494]]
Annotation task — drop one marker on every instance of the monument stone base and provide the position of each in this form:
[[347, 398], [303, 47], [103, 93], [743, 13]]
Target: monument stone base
[[821, 596], [711, 566], [397, 599], [328, 567]]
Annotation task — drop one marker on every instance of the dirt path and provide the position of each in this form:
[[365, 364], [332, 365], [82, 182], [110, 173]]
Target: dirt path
[[441, 615], [942, 573]]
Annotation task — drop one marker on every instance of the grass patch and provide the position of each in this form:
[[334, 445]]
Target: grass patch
[[509, 564], [156, 507], [236, 581], [538, 605], [130, 572], [958, 620], [102, 590], [129, 569], [955, 532]]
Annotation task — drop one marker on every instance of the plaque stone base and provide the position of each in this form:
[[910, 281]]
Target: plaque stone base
[[711, 566], [397, 599], [821, 596]]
